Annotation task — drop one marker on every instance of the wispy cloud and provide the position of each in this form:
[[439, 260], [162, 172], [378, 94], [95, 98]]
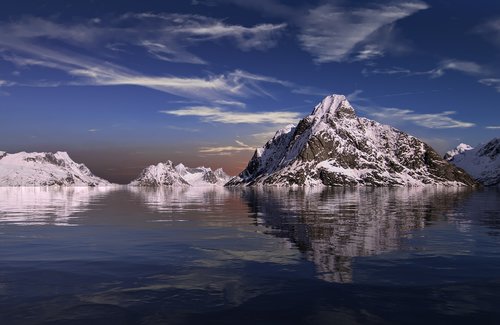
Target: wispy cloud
[[263, 137], [307, 90], [82, 50], [331, 33], [441, 120], [219, 115], [469, 68], [91, 71], [490, 30], [79, 53], [369, 52], [226, 150], [466, 67], [92, 130], [492, 82], [334, 32], [395, 116], [232, 103], [166, 37], [493, 127], [181, 128]]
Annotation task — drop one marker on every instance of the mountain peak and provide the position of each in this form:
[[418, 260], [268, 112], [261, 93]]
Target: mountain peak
[[461, 148], [333, 147], [336, 105]]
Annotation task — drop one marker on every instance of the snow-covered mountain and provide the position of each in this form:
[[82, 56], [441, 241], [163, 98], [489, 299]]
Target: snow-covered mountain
[[333, 146], [461, 148], [202, 175], [45, 169], [482, 162], [169, 175]]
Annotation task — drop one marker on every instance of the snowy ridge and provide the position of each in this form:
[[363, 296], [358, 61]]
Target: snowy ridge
[[334, 147], [166, 174], [45, 169], [482, 162], [461, 148]]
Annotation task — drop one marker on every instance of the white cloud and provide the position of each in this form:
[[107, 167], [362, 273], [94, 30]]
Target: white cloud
[[92, 130], [369, 52], [23, 48], [311, 91], [330, 33], [431, 120], [241, 143], [166, 37], [490, 31], [466, 67], [216, 114], [263, 137], [493, 127], [230, 103], [355, 95], [492, 82], [91, 71], [226, 150], [387, 71]]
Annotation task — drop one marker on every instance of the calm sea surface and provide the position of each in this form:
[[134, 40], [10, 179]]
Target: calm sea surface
[[243, 256]]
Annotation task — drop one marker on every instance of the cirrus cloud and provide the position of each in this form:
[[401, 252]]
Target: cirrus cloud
[[428, 120], [219, 115], [330, 33]]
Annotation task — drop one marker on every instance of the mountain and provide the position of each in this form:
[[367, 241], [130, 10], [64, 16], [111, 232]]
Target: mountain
[[45, 169], [482, 162], [334, 147], [202, 175], [169, 175], [461, 148]]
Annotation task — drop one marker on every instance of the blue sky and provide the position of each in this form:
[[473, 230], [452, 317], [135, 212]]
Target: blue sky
[[123, 84]]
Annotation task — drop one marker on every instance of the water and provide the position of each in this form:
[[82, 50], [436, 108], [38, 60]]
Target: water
[[219, 256]]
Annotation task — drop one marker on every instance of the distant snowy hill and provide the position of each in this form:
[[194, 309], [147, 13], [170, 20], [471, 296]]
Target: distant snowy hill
[[45, 169], [169, 175], [334, 147], [482, 163], [461, 148]]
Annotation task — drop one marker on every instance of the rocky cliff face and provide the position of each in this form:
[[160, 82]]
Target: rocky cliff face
[[166, 174], [334, 147], [482, 162], [45, 169]]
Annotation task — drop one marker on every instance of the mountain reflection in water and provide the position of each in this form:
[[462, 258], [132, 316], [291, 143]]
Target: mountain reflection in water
[[333, 225], [252, 255]]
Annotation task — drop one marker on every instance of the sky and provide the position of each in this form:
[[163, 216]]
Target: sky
[[120, 85]]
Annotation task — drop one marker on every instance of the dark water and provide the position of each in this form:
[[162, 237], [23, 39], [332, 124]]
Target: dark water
[[206, 256]]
